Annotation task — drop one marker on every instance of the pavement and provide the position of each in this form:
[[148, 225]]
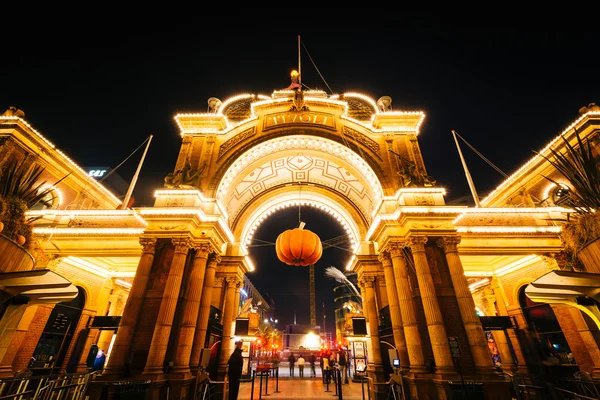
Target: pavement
[[300, 388], [306, 388]]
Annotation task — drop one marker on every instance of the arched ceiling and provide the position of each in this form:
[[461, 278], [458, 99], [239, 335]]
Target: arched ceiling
[[295, 161]]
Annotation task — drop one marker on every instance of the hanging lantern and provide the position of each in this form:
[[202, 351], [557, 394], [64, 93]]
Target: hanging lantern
[[299, 247]]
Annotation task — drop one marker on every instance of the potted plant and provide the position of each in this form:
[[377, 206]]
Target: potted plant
[[20, 190], [581, 229]]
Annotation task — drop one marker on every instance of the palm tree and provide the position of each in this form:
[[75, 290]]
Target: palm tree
[[580, 169], [20, 190]]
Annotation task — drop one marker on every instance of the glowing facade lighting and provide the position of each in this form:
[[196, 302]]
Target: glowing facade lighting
[[288, 200], [294, 143], [522, 263]]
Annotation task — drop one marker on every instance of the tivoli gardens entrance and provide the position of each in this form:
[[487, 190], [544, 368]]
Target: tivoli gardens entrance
[[351, 157]]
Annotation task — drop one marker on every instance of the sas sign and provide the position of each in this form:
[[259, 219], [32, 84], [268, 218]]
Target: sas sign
[[97, 173]]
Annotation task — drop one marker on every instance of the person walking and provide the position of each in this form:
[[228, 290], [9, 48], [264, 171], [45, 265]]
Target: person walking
[[312, 359], [235, 364], [301, 363], [343, 363], [291, 360]]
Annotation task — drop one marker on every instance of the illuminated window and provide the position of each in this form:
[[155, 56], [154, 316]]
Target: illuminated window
[[560, 195], [50, 200]]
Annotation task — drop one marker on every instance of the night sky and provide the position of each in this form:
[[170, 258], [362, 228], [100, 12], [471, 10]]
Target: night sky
[[97, 86]]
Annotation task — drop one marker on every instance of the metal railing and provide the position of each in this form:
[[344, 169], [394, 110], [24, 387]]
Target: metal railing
[[47, 387]]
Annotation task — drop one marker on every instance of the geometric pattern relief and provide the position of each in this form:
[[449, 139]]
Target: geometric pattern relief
[[298, 168]]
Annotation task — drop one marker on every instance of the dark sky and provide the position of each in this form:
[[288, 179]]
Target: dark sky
[[98, 85]]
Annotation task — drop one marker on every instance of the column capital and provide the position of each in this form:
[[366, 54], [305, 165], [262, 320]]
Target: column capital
[[148, 245], [449, 243], [384, 259], [214, 260], [203, 250], [233, 281], [417, 243], [182, 245], [396, 248], [367, 281]]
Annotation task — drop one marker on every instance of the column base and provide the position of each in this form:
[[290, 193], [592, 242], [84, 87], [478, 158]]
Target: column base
[[6, 371], [111, 374], [180, 372], [154, 374]]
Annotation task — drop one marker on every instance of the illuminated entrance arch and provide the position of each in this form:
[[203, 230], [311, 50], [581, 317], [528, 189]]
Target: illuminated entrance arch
[[299, 159], [290, 199]]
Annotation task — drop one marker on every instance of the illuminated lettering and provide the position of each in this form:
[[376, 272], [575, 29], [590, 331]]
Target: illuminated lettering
[[96, 173], [305, 118]]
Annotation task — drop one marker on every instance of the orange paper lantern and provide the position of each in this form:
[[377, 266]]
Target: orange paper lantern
[[299, 247]]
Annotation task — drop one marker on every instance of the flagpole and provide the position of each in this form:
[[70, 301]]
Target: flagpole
[[469, 179], [299, 65], [134, 180]]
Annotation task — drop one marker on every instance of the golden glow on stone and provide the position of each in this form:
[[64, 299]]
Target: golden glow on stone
[[299, 142], [512, 210], [509, 229], [87, 266], [395, 128], [53, 213], [123, 283], [288, 200], [88, 231], [474, 286], [514, 266]]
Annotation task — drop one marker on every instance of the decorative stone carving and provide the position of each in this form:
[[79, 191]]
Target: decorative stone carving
[[148, 245], [203, 250], [182, 245], [449, 243], [213, 105], [417, 243], [384, 103]]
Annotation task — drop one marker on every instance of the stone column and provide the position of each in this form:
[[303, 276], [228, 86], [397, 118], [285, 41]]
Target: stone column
[[588, 338], [15, 324], [203, 314], [162, 329], [500, 336], [407, 308], [466, 305], [499, 294], [106, 336], [431, 307], [395, 313], [233, 283], [190, 312], [368, 283], [120, 351]]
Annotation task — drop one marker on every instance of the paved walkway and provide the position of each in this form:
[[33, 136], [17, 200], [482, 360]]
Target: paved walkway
[[300, 388]]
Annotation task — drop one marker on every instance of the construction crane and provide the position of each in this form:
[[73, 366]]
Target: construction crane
[[311, 271]]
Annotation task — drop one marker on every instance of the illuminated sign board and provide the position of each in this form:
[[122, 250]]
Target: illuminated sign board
[[98, 172]]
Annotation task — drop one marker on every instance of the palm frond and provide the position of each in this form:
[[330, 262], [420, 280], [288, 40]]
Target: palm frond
[[578, 166], [339, 276]]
